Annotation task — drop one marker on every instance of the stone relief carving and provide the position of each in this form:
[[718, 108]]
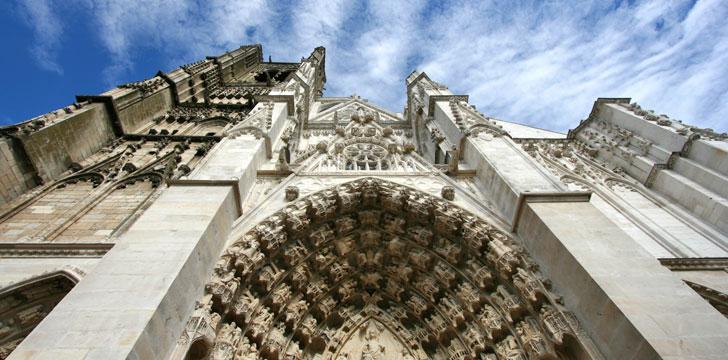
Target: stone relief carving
[[375, 252]]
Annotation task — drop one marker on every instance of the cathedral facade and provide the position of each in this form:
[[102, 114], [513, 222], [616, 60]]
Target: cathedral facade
[[228, 210]]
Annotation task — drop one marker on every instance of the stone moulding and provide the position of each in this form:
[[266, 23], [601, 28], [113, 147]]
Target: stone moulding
[[695, 264], [35, 250], [716, 298]]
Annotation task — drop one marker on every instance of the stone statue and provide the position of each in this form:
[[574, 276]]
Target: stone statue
[[452, 165]]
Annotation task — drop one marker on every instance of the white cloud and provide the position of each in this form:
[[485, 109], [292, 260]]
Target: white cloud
[[47, 31], [541, 63]]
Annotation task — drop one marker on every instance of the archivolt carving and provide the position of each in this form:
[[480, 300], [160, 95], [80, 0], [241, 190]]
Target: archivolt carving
[[372, 269], [25, 304]]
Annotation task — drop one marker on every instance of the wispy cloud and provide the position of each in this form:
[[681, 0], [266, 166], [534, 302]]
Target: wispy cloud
[[47, 32], [540, 63]]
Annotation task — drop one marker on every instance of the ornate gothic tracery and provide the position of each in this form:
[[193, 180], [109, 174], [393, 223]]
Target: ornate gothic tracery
[[363, 144], [374, 270]]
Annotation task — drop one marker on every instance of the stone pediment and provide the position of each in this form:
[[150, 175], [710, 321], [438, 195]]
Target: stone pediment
[[342, 112]]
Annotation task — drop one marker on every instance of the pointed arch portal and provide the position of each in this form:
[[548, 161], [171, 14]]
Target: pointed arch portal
[[371, 269]]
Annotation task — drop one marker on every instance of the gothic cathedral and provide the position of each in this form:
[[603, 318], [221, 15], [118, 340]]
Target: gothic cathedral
[[228, 210]]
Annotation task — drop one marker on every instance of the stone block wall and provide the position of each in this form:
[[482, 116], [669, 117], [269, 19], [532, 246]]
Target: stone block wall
[[40, 217], [100, 221], [54, 148], [17, 175], [135, 110]]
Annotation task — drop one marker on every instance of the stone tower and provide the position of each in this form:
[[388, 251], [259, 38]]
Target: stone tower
[[228, 210]]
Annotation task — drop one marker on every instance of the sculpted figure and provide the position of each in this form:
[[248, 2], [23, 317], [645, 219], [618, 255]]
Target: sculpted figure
[[267, 276], [294, 253], [452, 165], [396, 247], [260, 324], [226, 342], [370, 238], [369, 217], [293, 312], [508, 349], [300, 276], [401, 272], [372, 352], [479, 273], [528, 285], [282, 164], [428, 287], [444, 273], [246, 350], [345, 224], [244, 306], [347, 289], [321, 235], [247, 260], [280, 296], [222, 287], [509, 303], [296, 219], [421, 235], [394, 224], [292, 193], [492, 322], [417, 304], [502, 256], [405, 355], [469, 296], [448, 193], [420, 258], [532, 339]]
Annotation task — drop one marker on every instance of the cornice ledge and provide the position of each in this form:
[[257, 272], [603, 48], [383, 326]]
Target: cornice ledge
[[547, 197], [674, 264], [594, 114], [35, 250], [288, 99], [436, 98]]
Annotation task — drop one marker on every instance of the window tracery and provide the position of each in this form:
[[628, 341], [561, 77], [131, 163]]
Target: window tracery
[[364, 145]]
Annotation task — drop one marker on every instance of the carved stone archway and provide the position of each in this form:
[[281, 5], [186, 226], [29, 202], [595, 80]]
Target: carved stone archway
[[23, 305], [441, 281]]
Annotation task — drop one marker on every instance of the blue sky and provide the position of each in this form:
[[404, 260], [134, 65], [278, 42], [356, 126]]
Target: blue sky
[[542, 63]]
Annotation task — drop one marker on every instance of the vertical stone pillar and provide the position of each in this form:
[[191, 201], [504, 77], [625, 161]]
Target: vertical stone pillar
[[133, 305], [508, 173], [643, 311]]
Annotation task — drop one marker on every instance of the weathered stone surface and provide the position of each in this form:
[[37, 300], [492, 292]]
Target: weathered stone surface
[[226, 209]]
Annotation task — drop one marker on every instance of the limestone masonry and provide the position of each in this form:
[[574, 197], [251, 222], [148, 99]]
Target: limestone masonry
[[228, 210]]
